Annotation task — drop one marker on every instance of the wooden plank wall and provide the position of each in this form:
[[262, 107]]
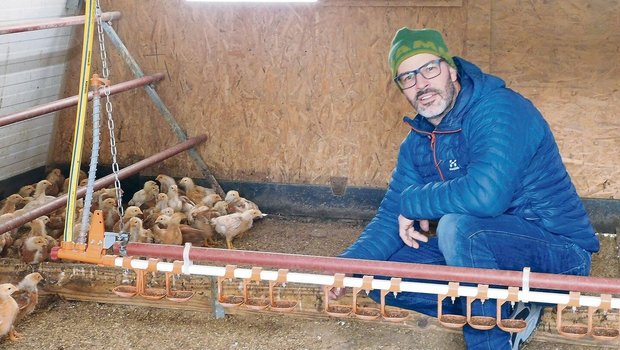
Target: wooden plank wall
[[32, 69], [299, 93]]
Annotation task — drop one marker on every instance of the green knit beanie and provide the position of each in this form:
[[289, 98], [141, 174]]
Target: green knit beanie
[[408, 42]]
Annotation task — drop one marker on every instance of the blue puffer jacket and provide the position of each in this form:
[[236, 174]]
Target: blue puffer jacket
[[492, 154]]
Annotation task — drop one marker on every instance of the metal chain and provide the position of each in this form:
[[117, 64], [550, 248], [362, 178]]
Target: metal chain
[[108, 108]]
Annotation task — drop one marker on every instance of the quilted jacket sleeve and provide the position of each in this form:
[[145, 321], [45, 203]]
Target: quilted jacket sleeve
[[380, 238], [502, 135]]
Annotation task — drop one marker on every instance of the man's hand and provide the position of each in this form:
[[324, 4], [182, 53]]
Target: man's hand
[[408, 233]]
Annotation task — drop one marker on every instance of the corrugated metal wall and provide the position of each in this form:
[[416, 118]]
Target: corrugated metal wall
[[32, 69]]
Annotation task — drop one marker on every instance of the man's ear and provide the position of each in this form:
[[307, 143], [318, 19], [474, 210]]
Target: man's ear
[[453, 73]]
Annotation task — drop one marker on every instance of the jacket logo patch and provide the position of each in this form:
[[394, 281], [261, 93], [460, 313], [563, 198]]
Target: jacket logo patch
[[453, 165]]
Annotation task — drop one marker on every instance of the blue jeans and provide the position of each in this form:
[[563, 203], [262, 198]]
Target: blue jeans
[[505, 242]]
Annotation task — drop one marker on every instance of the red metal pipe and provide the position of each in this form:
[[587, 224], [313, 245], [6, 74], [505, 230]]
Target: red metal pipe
[[47, 23], [103, 182], [379, 268], [73, 100]]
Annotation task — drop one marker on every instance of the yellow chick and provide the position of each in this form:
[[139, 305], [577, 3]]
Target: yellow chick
[[57, 180], [202, 221], [28, 295], [110, 213], [130, 212], [8, 310], [26, 191], [101, 195], [41, 188], [137, 233], [238, 204], [6, 241], [10, 205], [40, 197], [233, 224], [38, 226], [77, 222], [210, 200], [34, 250], [172, 233], [221, 208], [174, 201], [165, 181], [148, 193], [194, 192]]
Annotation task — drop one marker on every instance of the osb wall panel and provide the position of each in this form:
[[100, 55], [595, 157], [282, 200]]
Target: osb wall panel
[[286, 93], [564, 56], [300, 93]]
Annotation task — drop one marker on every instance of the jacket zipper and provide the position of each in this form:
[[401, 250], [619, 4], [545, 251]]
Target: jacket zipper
[[433, 136]]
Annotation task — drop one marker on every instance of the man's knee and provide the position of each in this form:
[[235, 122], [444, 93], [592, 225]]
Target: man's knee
[[454, 232]]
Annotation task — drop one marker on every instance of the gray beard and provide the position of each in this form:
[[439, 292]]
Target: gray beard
[[446, 103]]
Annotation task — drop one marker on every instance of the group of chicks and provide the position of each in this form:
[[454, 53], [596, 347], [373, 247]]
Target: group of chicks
[[34, 240], [163, 211], [17, 302], [167, 212]]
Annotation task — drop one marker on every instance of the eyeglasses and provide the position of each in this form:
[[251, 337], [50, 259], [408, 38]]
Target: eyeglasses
[[408, 79]]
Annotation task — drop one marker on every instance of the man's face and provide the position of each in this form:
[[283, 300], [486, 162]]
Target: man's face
[[432, 98]]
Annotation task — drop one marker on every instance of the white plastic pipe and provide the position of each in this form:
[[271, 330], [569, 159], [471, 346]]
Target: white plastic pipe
[[355, 282]]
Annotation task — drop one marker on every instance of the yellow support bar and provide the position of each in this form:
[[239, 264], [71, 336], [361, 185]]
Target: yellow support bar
[[78, 136]]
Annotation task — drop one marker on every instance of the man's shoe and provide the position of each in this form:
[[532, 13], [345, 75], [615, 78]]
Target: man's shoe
[[532, 314]]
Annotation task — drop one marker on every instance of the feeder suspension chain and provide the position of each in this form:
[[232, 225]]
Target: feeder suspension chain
[[108, 108]]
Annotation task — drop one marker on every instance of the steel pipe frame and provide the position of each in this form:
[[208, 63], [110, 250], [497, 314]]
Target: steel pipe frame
[[103, 182], [380, 268], [73, 100], [48, 23]]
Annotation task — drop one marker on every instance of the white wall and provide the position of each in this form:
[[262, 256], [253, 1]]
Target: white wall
[[32, 68]]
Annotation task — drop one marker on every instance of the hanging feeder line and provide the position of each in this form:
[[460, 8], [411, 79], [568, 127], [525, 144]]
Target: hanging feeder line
[[94, 252], [353, 282], [96, 82]]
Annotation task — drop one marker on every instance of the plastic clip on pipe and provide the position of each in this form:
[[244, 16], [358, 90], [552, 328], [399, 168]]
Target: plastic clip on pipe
[[186, 261], [525, 285]]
